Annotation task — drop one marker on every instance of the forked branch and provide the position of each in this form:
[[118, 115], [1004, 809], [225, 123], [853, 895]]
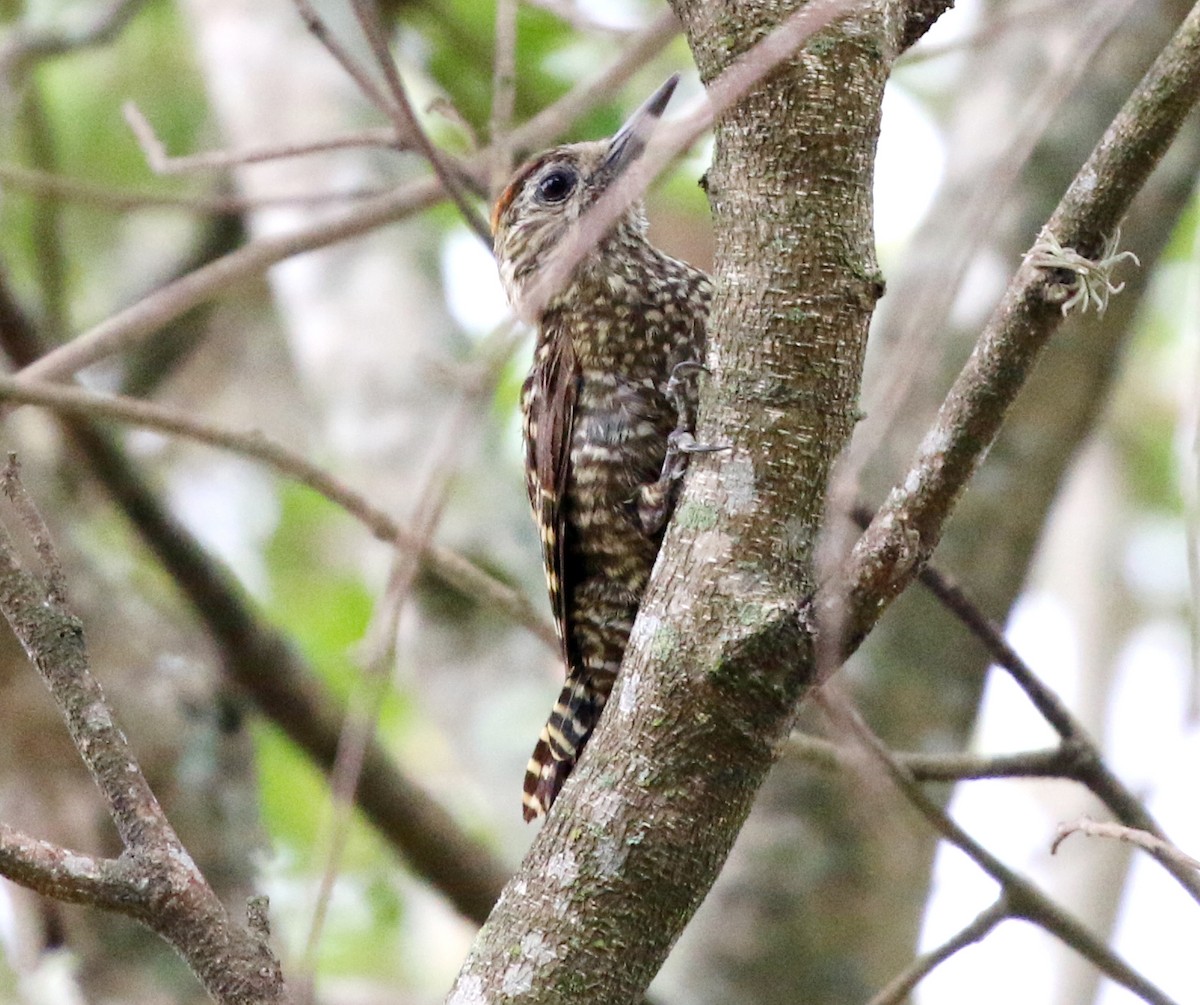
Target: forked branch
[[154, 880]]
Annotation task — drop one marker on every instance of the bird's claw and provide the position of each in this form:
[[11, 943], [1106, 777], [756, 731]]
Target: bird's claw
[[681, 371]]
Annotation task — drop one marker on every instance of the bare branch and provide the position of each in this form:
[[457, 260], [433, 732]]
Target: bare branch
[[408, 127], [904, 533], [164, 889], [1053, 762], [897, 990], [69, 876], [164, 164], [14, 490], [43, 183], [355, 70], [1023, 899], [132, 325], [446, 564], [24, 47], [1162, 850]]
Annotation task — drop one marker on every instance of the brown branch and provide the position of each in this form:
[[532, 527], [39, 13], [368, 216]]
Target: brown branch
[[69, 876], [163, 888], [272, 672], [23, 47], [1024, 900], [905, 532], [132, 325], [899, 988], [1053, 762], [409, 127], [442, 562], [1160, 849], [162, 163], [36, 530], [354, 70]]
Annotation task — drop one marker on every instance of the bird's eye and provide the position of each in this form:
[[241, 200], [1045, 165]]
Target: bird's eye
[[556, 185]]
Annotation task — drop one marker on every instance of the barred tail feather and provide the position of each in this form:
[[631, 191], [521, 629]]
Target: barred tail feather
[[560, 744]]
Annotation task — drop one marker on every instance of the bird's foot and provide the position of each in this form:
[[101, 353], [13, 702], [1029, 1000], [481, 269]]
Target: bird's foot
[[655, 500]]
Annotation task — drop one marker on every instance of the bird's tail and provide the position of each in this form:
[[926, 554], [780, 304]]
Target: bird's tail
[[561, 742]]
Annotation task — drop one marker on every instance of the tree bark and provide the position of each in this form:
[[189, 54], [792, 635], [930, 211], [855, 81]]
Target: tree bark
[[828, 884], [720, 655]]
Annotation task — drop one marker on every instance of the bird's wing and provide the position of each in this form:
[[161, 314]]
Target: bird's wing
[[548, 407]]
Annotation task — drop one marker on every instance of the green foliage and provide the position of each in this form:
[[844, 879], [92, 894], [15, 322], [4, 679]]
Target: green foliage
[[323, 607], [150, 65], [70, 123], [460, 35]]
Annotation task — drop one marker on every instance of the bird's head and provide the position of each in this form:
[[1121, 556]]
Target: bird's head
[[549, 193]]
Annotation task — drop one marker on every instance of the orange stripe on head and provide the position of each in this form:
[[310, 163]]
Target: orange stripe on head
[[505, 200], [514, 186]]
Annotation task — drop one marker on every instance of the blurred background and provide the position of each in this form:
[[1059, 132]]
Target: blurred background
[[390, 359]]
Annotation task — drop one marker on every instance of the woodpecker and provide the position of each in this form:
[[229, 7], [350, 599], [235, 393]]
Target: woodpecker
[[607, 409]]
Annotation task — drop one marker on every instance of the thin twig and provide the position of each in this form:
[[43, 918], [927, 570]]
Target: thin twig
[[43, 183], [36, 529], [1081, 759], [1052, 762], [163, 163], [446, 564], [153, 312], [1162, 850], [25, 46], [1023, 898], [899, 988], [1048, 704], [504, 93], [409, 128], [69, 876], [356, 71]]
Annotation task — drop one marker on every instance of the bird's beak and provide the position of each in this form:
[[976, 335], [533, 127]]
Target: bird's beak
[[629, 142]]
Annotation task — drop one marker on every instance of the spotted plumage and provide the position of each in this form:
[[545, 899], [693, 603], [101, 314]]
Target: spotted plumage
[[607, 410]]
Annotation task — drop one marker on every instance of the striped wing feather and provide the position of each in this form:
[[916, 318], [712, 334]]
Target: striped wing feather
[[548, 403]]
